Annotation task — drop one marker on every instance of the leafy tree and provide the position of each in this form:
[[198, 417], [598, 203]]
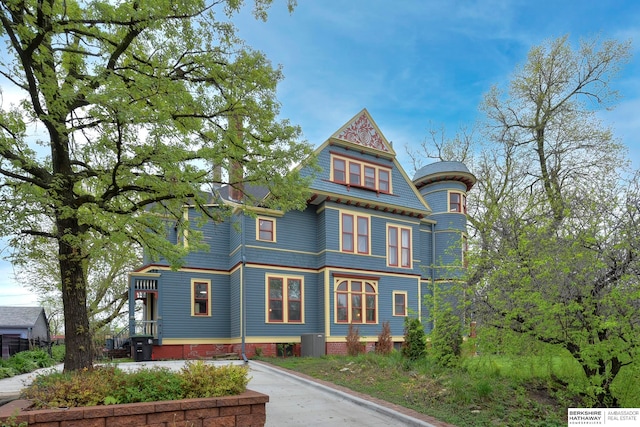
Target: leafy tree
[[125, 109], [555, 243], [446, 338], [107, 280]]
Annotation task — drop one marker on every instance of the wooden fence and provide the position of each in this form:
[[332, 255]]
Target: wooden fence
[[11, 345]]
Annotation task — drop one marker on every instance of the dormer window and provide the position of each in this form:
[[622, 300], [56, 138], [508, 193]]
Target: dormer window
[[339, 170], [358, 173]]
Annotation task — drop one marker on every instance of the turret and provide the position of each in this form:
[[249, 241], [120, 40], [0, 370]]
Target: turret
[[444, 186]]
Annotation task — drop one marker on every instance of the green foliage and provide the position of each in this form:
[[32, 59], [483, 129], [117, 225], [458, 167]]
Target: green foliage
[[108, 385], [472, 394], [446, 338], [385, 340], [354, 346], [557, 255], [7, 372], [149, 125], [415, 341], [12, 422], [25, 362], [57, 352], [148, 385], [202, 380]]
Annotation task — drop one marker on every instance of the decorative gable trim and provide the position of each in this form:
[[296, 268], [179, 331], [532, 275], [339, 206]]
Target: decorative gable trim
[[363, 131]]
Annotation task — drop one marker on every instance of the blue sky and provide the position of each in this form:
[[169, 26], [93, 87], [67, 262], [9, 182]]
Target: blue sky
[[417, 65], [424, 64]]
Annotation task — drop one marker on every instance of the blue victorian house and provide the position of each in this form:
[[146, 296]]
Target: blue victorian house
[[365, 250]]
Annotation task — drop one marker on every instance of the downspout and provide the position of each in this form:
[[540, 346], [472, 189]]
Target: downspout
[[433, 267], [243, 308]]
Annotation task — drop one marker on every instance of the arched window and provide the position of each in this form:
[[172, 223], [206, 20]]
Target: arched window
[[356, 301]]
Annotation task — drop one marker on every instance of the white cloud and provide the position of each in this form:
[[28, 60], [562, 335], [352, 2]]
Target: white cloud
[[11, 292]]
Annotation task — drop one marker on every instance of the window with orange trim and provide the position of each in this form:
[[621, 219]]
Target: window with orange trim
[[361, 174], [457, 202], [356, 301], [339, 170], [399, 303], [355, 233], [266, 229], [201, 298], [399, 246], [285, 299]]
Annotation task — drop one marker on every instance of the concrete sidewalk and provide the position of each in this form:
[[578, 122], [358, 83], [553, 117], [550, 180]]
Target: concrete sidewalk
[[294, 400]]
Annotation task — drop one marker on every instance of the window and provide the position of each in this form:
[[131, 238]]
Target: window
[[370, 177], [361, 174], [354, 173], [284, 299], [383, 181], [363, 235], [339, 170], [398, 246], [266, 229], [356, 301], [200, 297], [355, 227], [457, 202], [399, 303]]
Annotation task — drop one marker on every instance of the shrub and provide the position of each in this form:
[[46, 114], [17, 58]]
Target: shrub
[[28, 361], [446, 339], [57, 352], [354, 346], [415, 342], [385, 341], [7, 372], [70, 389], [202, 380], [110, 385], [148, 385]]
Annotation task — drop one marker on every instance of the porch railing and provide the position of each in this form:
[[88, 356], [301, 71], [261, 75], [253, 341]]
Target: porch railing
[[146, 327]]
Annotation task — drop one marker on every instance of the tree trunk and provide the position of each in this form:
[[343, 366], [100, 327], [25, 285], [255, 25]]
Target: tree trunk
[[74, 296]]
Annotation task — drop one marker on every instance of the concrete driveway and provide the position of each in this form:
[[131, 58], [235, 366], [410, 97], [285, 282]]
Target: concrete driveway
[[293, 400]]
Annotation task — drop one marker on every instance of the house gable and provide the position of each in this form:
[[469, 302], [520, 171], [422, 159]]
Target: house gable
[[363, 131], [360, 142]]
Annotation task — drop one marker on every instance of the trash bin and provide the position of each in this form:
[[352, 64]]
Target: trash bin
[[142, 345], [312, 345]]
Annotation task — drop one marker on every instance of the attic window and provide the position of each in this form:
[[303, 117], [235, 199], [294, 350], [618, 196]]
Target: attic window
[[358, 173]]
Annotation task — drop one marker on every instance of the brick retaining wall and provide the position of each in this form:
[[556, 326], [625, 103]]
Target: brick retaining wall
[[243, 410]]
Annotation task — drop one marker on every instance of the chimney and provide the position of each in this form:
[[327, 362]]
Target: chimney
[[236, 173], [216, 176]]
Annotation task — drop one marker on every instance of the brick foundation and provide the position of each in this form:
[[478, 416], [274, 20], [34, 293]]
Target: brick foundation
[[209, 351], [246, 410], [340, 348]]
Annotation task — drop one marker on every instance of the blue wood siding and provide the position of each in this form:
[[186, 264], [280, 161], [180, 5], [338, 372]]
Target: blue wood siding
[[235, 314], [175, 306], [296, 241], [255, 282], [386, 286], [307, 245], [403, 193]]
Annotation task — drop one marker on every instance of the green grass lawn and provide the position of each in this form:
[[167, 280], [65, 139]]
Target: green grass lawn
[[483, 391]]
